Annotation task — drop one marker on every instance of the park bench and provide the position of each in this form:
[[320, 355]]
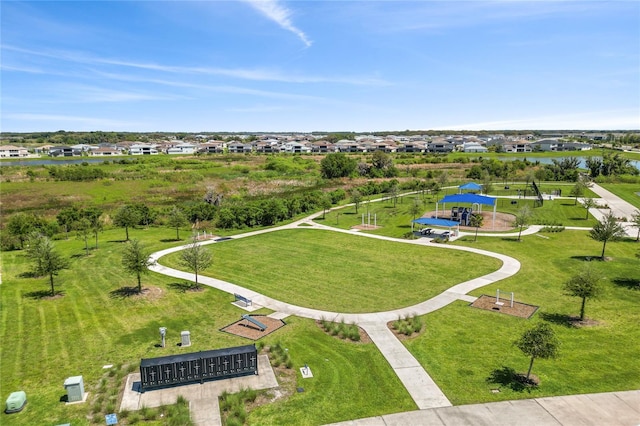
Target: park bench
[[246, 301]]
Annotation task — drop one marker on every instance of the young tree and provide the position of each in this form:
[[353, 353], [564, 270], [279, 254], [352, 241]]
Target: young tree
[[325, 203], [586, 285], [477, 220], [93, 215], [523, 216], [415, 208], [607, 229], [394, 191], [578, 191], [83, 231], [47, 260], [176, 219], [196, 257], [356, 198], [635, 219], [588, 203], [135, 260], [126, 217], [67, 218], [538, 342]]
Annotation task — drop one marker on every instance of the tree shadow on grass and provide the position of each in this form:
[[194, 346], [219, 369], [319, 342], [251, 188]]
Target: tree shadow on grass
[[587, 258], [559, 319], [171, 240], [630, 283], [43, 294], [184, 287], [507, 377], [117, 241], [29, 274], [124, 292]]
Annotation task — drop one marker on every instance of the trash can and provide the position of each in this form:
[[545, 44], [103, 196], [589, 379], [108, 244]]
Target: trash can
[[16, 402], [75, 388]]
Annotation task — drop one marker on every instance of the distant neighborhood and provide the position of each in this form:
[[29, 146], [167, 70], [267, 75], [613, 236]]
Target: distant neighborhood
[[318, 144]]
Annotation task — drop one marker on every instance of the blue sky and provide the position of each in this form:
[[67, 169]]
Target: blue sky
[[319, 65]]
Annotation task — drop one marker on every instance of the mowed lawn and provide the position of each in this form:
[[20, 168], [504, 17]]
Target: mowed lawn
[[91, 325], [463, 346], [342, 273]]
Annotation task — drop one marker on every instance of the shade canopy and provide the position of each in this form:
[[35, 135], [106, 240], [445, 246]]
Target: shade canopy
[[471, 186], [436, 222], [470, 199]]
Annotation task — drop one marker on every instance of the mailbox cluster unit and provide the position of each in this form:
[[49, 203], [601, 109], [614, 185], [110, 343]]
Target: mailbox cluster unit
[[198, 367]]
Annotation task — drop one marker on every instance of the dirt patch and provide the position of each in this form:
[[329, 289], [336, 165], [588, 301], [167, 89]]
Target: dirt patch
[[365, 227], [578, 323], [246, 329], [504, 221], [519, 309]]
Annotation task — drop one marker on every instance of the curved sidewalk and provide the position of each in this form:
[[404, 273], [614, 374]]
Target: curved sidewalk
[[421, 387]]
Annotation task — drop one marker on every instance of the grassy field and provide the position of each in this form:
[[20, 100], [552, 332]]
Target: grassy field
[[463, 346], [93, 324], [627, 191], [340, 273]]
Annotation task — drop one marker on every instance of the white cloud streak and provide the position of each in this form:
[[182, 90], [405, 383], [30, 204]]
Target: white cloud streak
[[281, 15]]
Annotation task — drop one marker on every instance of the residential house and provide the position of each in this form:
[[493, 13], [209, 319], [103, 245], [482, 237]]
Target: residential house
[[236, 147], [143, 149], [63, 151], [182, 148], [473, 147], [440, 146], [322, 147], [104, 151], [212, 147], [296, 148], [10, 151]]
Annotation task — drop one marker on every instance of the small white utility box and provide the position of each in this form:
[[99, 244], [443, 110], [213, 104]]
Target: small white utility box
[[186, 338]]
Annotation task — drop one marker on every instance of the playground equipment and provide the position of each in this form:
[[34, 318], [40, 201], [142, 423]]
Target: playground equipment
[[462, 215]]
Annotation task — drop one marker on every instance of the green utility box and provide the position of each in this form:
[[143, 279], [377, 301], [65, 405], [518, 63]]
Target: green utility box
[[16, 402], [75, 388]]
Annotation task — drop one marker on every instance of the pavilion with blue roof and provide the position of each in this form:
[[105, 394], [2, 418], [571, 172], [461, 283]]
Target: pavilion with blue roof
[[471, 186], [472, 199]]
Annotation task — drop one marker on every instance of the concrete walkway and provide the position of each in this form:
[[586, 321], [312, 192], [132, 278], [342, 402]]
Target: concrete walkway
[[617, 206], [600, 409], [423, 390]]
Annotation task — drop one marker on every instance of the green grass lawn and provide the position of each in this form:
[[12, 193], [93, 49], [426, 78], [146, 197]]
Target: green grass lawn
[[463, 346], [627, 191], [44, 340], [341, 273]]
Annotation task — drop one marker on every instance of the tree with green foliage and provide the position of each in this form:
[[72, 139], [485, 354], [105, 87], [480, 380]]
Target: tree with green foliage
[[83, 231], [126, 217], [67, 218], [356, 198], [487, 184], [477, 220], [94, 216], [337, 165], [136, 261], [47, 261], [635, 220], [196, 257], [394, 191], [586, 285], [538, 342], [176, 219], [20, 225], [578, 191], [523, 217], [588, 203], [416, 207], [607, 229], [325, 203]]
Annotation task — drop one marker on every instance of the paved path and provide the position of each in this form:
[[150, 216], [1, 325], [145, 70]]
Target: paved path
[[600, 409], [423, 390], [425, 393], [617, 206]]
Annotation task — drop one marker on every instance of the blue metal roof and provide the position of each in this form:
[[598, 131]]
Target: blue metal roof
[[472, 186], [436, 222], [469, 198]]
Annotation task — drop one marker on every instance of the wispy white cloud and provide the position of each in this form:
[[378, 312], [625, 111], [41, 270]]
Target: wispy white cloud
[[281, 15], [253, 74]]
